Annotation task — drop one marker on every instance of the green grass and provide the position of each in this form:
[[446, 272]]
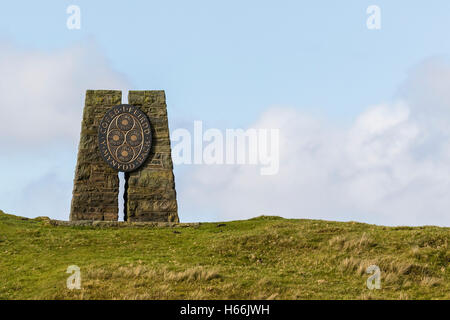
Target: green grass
[[261, 258]]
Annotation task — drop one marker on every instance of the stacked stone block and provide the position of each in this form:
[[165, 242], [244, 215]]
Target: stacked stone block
[[150, 191], [96, 185]]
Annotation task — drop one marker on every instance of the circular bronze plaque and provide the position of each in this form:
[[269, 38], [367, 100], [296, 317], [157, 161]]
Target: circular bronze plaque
[[124, 137]]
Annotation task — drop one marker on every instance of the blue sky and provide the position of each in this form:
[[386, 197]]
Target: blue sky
[[227, 60], [227, 63]]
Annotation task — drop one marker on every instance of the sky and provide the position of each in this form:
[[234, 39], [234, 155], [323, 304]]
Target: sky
[[363, 113]]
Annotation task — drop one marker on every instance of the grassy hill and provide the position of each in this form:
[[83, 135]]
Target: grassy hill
[[261, 258]]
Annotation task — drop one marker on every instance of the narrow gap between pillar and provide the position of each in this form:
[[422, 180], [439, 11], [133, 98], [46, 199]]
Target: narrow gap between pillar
[[125, 197], [122, 216], [123, 185]]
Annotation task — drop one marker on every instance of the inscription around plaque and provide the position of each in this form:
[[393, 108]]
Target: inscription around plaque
[[124, 137]]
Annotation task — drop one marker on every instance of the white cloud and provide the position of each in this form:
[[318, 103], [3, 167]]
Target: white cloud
[[391, 166], [42, 92]]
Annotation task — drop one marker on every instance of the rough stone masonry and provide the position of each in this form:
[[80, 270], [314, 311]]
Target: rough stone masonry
[[149, 191]]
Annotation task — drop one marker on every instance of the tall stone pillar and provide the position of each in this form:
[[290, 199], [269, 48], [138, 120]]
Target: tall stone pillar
[[150, 191], [96, 185]]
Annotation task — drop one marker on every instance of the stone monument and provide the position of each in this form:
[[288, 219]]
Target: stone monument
[[132, 138]]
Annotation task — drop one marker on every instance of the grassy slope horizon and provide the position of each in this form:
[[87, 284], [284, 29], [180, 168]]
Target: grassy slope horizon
[[259, 258]]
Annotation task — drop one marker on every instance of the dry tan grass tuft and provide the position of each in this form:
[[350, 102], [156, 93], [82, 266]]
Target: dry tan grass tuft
[[346, 243], [430, 281], [403, 296], [192, 274], [350, 264]]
